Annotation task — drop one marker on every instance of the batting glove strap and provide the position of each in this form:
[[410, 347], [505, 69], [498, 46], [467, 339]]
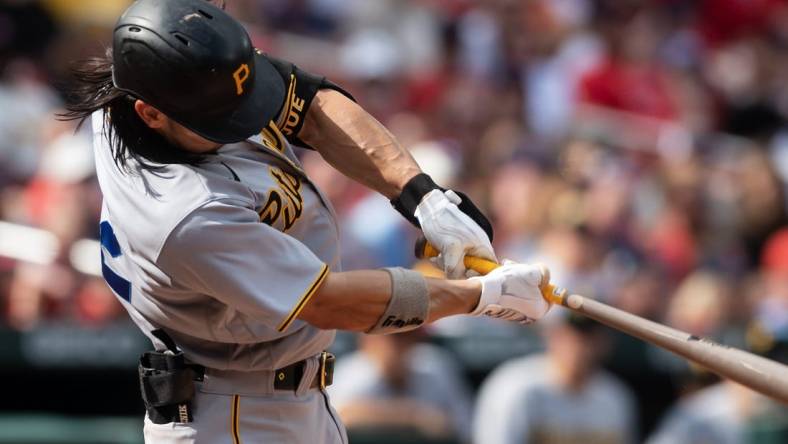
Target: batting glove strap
[[411, 196], [419, 186], [468, 207], [491, 293]]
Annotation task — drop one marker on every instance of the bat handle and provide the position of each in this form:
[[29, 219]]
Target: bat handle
[[550, 292]]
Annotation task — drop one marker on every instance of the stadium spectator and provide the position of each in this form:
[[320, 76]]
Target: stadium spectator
[[726, 412], [397, 382], [558, 397], [639, 148], [717, 414]]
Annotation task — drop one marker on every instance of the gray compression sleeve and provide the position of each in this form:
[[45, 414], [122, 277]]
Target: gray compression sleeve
[[409, 305]]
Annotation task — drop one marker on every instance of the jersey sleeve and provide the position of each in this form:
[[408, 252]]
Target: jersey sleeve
[[222, 250], [302, 87]]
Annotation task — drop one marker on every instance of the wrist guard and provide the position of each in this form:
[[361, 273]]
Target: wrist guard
[[421, 184], [409, 305]]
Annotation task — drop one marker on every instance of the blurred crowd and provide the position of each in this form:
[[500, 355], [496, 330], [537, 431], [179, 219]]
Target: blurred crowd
[[639, 148]]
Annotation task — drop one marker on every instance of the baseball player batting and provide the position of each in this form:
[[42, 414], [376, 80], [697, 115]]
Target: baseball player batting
[[225, 253]]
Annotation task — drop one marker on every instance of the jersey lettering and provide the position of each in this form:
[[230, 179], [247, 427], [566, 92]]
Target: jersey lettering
[[284, 203], [272, 208], [272, 138], [294, 116]]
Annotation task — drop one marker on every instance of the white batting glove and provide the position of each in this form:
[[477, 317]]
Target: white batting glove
[[511, 292], [452, 232]]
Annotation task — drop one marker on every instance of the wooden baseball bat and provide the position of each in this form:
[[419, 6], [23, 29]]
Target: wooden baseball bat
[[760, 374]]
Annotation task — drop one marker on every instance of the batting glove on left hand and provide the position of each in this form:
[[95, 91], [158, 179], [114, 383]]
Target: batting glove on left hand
[[513, 292], [452, 232]]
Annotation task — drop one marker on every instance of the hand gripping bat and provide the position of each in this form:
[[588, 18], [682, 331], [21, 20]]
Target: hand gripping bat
[[760, 374]]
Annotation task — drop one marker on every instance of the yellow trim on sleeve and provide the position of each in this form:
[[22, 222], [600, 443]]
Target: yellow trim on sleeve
[[234, 419], [288, 105], [304, 299], [280, 138], [270, 141], [272, 137]]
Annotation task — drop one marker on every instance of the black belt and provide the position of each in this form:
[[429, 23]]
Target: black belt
[[289, 378], [286, 378], [166, 380]]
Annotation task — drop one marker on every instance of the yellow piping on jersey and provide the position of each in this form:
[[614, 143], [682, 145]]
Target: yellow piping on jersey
[[234, 419], [288, 102], [304, 299], [270, 139], [277, 134]]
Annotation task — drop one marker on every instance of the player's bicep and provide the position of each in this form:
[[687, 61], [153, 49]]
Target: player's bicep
[[224, 251]]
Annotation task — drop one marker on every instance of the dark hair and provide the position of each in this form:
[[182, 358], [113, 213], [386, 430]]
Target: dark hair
[[91, 89]]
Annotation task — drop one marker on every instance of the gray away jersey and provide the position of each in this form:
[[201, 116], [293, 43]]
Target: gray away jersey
[[221, 256]]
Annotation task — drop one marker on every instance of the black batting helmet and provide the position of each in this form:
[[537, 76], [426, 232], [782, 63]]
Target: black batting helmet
[[197, 65]]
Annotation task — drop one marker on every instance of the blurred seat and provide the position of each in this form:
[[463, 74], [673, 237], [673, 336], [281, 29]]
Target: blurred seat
[[394, 435], [53, 429]]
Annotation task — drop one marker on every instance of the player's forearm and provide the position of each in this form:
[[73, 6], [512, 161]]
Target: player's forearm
[[355, 300], [348, 301], [356, 144], [452, 297]]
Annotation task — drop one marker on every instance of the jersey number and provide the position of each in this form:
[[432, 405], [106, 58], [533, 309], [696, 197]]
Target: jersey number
[[121, 286]]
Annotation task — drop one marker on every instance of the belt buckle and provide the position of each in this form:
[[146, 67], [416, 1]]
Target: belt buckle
[[326, 370]]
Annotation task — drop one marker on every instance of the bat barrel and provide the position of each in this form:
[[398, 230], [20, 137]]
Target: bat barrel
[[760, 374], [763, 375]]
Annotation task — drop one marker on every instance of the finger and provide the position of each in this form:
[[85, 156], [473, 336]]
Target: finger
[[470, 272], [437, 262], [453, 197], [533, 275], [483, 251], [545, 275], [453, 260]]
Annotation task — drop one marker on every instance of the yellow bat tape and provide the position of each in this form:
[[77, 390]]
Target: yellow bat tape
[[550, 292]]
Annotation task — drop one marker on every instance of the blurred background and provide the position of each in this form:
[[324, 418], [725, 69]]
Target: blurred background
[[637, 147]]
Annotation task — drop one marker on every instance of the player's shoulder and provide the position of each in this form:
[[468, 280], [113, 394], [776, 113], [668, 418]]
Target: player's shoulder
[[608, 383], [511, 385], [430, 358], [528, 363], [611, 394], [519, 374], [150, 211], [146, 205], [711, 401], [703, 412]]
